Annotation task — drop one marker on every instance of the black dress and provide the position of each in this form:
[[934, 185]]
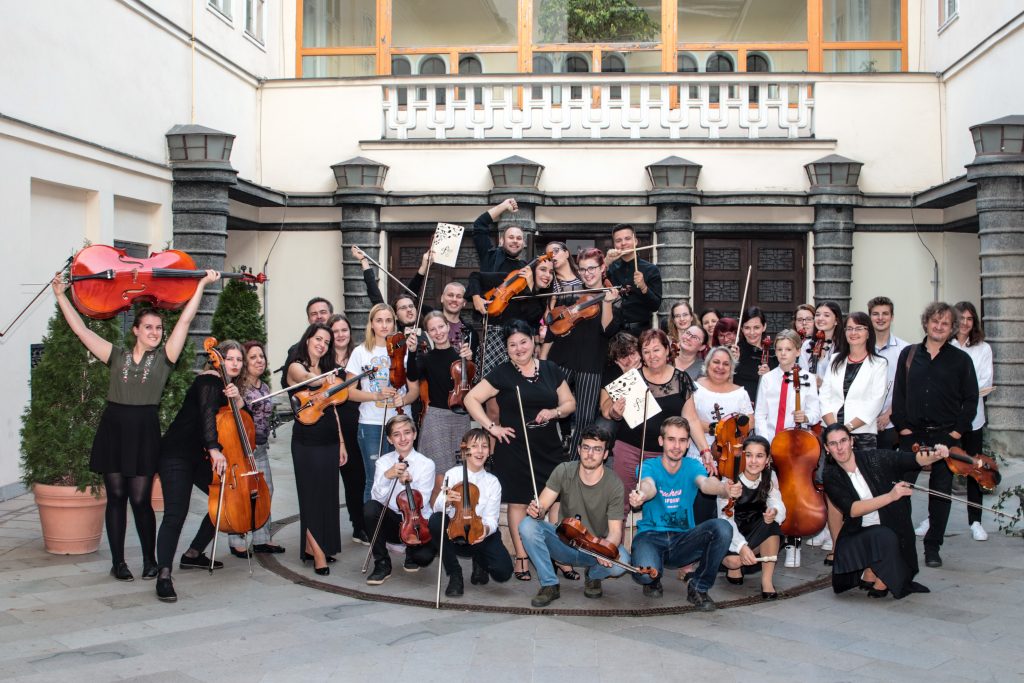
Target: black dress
[[315, 459], [889, 548], [511, 465]]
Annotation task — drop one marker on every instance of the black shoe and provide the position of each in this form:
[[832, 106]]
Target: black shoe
[[267, 549], [331, 559], [479, 577], [931, 558], [654, 589], [322, 571], [360, 537], [699, 599], [570, 573], [915, 587], [200, 561], [455, 586], [165, 590], [381, 573], [688, 576], [244, 554], [546, 595], [410, 565], [769, 595], [149, 570], [736, 581], [306, 557], [878, 592], [829, 560], [865, 585], [592, 588], [121, 572]]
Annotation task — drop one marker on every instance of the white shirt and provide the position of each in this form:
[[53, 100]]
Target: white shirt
[[774, 501], [864, 491], [981, 354], [732, 402], [866, 395], [371, 412], [487, 506], [420, 467], [766, 407], [891, 353]]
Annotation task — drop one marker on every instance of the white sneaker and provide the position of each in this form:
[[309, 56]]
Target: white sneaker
[[922, 528], [792, 556], [820, 538], [827, 545], [978, 532]]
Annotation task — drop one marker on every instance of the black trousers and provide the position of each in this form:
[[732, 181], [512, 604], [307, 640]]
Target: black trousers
[[353, 476], [178, 474], [941, 480], [888, 439], [422, 555], [489, 553], [972, 444]]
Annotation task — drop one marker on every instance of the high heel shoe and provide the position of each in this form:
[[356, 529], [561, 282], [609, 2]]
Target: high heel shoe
[[736, 581], [769, 595], [829, 560], [525, 574], [306, 557], [322, 571], [878, 592], [571, 574]]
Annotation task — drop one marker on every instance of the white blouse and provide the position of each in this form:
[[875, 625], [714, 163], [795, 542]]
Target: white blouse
[[864, 491], [774, 501], [866, 395], [735, 401], [981, 354]]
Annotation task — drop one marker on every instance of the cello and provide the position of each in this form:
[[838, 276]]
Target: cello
[[466, 527], [239, 499], [106, 281], [796, 452]]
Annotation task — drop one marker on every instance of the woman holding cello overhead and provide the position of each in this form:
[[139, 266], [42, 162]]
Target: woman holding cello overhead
[[126, 448], [442, 425], [379, 399], [472, 507], [189, 454], [317, 451], [577, 339]]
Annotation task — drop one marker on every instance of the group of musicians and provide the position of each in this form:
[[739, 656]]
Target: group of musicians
[[547, 427]]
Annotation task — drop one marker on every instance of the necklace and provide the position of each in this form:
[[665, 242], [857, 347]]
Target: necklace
[[531, 377]]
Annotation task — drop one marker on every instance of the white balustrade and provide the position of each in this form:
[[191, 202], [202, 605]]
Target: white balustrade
[[599, 107]]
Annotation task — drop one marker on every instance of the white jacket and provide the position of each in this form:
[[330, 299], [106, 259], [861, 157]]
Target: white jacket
[[865, 398]]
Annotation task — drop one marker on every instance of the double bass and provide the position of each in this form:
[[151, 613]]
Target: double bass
[[239, 499], [796, 452]]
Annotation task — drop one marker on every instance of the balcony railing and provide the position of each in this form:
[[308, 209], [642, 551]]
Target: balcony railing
[[717, 106]]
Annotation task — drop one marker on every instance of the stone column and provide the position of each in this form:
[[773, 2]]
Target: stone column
[[674, 229], [998, 173], [833, 194], [202, 174]]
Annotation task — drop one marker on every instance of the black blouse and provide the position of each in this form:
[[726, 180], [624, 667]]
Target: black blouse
[[194, 430]]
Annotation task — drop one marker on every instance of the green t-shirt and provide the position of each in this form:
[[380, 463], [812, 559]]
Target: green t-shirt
[[596, 504], [138, 384]]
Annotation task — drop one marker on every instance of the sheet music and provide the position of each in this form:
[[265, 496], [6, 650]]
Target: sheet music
[[447, 241], [632, 387]]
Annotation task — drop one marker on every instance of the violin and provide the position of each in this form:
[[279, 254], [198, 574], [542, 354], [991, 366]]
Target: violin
[[309, 405], [818, 350], [466, 527], [562, 319], [729, 436], [981, 468], [463, 373], [239, 500], [766, 345], [106, 281], [499, 297], [572, 532], [413, 530], [397, 375], [795, 453]]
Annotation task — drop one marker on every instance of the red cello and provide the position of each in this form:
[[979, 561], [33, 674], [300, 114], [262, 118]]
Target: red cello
[[795, 453], [106, 281]]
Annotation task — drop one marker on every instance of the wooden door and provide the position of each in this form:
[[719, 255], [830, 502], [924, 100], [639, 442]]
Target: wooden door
[[776, 282]]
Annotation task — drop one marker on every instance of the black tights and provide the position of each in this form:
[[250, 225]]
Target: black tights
[[138, 491]]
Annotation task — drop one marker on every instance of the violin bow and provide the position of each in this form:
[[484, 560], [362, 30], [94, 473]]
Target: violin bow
[[296, 385], [526, 440], [440, 551], [640, 471], [34, 299], [423, 292], [384, 270], [946, 496], [743, 304]]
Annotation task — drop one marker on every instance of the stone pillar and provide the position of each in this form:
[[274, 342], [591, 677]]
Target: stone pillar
[[998, 173], [202, 174], [674, 192], [833, 193]]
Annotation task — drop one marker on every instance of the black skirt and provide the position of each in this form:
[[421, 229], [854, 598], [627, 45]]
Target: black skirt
[[759, 531], [876, 547], [316, 486], [127, 441]]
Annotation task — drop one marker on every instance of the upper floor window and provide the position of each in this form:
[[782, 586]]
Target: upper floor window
[[222, 6], [861, 20], [433, 23], [611, 21], [254, 18], [948, 11], [729, 21]]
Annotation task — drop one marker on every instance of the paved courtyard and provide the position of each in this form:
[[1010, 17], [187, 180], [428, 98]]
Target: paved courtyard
[[64, 618]]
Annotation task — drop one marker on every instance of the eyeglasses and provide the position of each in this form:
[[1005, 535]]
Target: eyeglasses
[[690, 335], [555, 249], [836, 444], [591, 449], [857, 328], [589, 269], [807, 319]]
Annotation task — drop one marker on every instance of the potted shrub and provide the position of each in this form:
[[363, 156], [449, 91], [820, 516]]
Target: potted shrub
[[69, 391]]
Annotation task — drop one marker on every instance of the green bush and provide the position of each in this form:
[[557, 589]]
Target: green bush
[[69, 393], [238, 314]]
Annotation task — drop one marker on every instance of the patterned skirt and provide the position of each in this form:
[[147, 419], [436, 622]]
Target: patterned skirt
[[493, 350], [440, 437]]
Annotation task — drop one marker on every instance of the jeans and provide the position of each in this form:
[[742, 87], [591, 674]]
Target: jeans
[[371, 448], [544, 547], [707, 544]]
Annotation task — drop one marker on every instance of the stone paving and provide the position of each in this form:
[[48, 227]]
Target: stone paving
[[63, 616]]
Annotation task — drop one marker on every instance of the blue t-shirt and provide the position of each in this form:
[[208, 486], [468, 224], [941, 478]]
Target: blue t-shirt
[[672, 508]]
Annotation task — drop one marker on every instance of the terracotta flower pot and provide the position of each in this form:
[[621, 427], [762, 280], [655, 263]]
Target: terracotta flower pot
[[72, 521], [158, 494]]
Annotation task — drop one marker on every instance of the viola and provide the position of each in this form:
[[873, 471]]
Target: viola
[[413, 530], [499, 297], [730, 433], [818, 350], [466, 527], [981, 468], [309, 405], [106, 281], [463, 372], [795, 453], [572, 532], [239, 500]]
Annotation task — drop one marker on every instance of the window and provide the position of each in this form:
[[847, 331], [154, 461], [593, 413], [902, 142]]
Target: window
[[948, 11], [222, 6], [729, 21], [339, 23], [433, 66], [861, 20], [254, 11], [470, 65], [400, 66], [756, 63], [609, 21], [433, 23]]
